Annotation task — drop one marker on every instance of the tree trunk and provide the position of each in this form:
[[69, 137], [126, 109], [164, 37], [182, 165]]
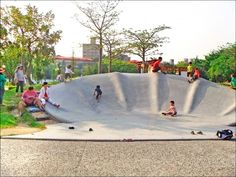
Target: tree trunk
[[110, 62], [144, 61], [28, 73], [100, 54]]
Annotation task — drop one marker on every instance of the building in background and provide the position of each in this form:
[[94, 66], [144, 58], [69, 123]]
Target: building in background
[[91, 50], [186, 60], [78, 62], [123, 57], [172, 61]]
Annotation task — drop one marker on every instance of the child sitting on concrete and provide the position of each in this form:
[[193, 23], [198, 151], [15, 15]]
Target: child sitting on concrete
[[98, 92], [172, 110], [45, 97]]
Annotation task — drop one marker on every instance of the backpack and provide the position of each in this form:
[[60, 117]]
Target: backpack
[[225, 134]]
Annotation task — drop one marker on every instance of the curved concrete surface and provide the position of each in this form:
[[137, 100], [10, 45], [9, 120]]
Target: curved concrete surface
[[131, 107], [141, 94]]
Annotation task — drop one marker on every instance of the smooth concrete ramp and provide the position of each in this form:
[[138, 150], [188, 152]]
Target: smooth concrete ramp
[[131, 107]]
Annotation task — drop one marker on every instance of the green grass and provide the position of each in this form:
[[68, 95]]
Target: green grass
[[31, 121], [7, 119]]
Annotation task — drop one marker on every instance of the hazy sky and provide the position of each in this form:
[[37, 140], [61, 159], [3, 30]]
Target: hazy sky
[[198, 27]]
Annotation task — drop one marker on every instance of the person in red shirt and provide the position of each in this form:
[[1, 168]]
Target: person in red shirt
[[156, 65], [29, 98], [196, 75]]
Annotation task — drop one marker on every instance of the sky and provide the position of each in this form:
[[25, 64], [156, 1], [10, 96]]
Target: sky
[[197, 27]]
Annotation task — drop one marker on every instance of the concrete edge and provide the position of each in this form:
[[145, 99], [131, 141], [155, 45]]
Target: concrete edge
[[115, 140]]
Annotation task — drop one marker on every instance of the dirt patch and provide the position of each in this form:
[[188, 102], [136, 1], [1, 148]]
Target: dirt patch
[[18, 130]]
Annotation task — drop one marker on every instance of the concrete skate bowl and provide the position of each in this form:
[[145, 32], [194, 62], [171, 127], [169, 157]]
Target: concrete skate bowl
[[133, 102]]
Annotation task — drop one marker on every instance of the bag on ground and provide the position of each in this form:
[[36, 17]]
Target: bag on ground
[[225, 134]]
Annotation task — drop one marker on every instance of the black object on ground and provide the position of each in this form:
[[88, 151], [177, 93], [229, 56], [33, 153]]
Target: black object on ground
[[226, 134], [71, 127], [90, 129], [200, 133]]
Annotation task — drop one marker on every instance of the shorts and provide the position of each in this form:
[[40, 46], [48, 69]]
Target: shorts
[[29, 104], [67, 75], [156, 69], [99, 94], [195, 77], [189, 74]]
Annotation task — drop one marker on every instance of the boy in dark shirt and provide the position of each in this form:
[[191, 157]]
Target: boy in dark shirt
[[98, 92]]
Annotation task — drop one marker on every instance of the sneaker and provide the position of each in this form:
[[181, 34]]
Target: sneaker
[[56, 105], [200, 133]]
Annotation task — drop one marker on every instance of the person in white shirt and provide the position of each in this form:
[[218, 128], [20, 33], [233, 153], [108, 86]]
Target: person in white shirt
[[68, 72], [44, 95]]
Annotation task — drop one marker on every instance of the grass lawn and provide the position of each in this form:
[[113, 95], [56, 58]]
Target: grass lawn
[[8, 119]]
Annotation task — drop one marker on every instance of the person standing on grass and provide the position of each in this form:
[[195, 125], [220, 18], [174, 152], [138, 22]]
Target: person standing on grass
[[233, 81], [2, 85], [19, 79]]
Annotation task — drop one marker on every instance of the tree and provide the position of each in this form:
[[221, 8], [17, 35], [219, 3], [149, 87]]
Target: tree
[[182, 64], [202, 65], [144, 42], [3, 37], [10, 59], [120, 66], [101, 15], [40, 66], [113, 47], [32, 31], [222, 64]]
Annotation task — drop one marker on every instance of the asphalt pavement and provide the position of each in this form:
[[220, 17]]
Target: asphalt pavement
[[146, 158]]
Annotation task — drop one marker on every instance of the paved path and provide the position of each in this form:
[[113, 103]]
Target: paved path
[[83, 158]]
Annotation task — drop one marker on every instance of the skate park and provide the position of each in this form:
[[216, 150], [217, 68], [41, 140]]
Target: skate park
[[131, 105]]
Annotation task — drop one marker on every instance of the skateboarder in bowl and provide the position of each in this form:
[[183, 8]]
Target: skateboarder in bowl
[[98, 92], [68, 73]]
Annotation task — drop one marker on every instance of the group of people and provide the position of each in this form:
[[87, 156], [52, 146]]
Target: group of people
[[68, 74], [192, 74], [31, 97]]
